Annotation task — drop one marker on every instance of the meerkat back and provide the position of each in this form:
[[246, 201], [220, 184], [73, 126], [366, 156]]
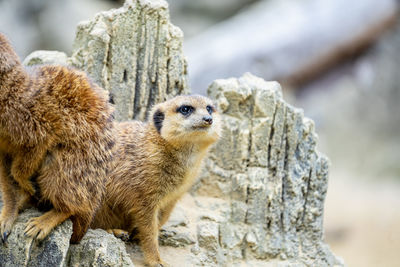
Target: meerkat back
[[57, 127]]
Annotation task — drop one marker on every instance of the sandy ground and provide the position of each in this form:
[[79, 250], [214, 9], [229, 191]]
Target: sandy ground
[[362, 220]]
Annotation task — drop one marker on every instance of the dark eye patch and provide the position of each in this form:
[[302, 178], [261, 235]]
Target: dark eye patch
[[185, 110], [158, 119], [210, 109]]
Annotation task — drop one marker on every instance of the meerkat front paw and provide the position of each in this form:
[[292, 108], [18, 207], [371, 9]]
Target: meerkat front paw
[[6, 224], [40, 227], [37, 228]]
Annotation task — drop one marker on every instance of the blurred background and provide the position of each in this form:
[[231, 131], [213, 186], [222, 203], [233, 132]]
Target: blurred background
[[338, 60]]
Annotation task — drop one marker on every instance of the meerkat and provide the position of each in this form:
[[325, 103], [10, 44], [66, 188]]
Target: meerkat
[[157, 162], [56, 144]]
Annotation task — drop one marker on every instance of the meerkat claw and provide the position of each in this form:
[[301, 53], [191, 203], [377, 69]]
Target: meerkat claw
[[6, 226], [5, 236]]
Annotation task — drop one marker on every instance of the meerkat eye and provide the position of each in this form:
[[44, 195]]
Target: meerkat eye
[[185, 110], [210, 109]]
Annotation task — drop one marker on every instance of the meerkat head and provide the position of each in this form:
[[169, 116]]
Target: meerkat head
[[187, 119]]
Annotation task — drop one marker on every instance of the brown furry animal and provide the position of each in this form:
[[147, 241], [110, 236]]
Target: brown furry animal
[[156, 163], [57, 127]]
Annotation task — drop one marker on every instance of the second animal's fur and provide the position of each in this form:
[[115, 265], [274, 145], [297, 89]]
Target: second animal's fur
[[156, 163], [55, 126]]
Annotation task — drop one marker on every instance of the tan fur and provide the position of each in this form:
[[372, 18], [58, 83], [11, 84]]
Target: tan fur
[[56, 128], [155, 168]]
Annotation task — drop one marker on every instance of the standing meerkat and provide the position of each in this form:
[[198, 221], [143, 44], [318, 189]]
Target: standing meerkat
[[56, 142], [156, 163]]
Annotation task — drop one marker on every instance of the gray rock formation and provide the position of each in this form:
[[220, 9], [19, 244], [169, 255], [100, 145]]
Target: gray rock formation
[[270, 176], [98, 248], [135, 53]]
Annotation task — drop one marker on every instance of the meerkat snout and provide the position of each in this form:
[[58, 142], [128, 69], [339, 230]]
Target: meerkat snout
[[208, 119]]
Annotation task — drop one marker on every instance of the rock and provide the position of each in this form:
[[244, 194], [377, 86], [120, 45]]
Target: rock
[[98, 248], [45, 57], [269, 170], [195, 250], [24, 251], [177, 217], [208, 235], [208, 240], [135, 53], [179, 237]]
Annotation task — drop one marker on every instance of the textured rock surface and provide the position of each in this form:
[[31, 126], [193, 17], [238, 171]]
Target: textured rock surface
[[267, 170], [45, 57], [98, 248], [23, 251], [135, 53]]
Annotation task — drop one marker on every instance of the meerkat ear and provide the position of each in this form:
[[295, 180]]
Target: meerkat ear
[[158, 118]]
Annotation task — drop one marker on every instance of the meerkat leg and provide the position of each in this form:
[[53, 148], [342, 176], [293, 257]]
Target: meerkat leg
[[9, 190], [80, 225], [165, 212], [40, 227], [147, 227], [23, 201], [24, 166], [9, 212]]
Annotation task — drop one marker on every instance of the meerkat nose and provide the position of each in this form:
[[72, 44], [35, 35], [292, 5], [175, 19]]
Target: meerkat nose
[[208, 119]]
